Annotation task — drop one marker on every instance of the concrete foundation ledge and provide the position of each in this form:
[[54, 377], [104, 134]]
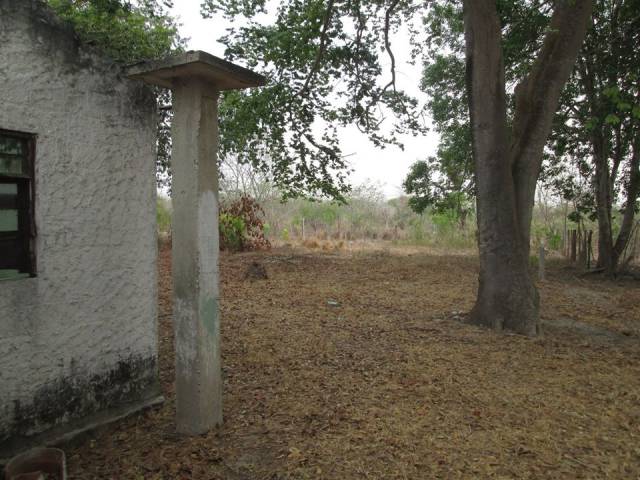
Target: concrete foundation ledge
[[78, 429]]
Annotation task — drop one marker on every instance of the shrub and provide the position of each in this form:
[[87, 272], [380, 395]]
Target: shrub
[[242, 227], [232, 232]]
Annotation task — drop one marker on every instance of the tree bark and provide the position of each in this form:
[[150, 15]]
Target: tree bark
[[537, 98], [507, 163], [633, 191], [603, 206], [609, 251]]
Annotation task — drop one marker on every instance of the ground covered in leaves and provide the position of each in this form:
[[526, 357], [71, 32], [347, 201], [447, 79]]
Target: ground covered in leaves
[[353, 365]]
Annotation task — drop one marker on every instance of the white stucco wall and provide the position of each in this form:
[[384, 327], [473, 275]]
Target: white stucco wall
[[81, 336]]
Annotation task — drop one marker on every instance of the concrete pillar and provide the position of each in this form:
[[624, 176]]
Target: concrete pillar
[[195, 256], [195, 78]]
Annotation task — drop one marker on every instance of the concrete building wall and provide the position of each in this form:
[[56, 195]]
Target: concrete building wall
[[80, 337]]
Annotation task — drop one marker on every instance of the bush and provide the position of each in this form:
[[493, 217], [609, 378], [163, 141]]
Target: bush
[[242, 227], [232, 232]]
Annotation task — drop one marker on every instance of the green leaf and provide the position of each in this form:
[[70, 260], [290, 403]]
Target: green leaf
[[611, 92], [591, 124], [612, 119]]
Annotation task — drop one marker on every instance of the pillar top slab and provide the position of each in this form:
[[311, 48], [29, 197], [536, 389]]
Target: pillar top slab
[[195, 64]]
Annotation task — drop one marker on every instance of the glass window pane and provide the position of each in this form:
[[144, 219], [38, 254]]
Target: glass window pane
[[8, 220], [10, 165], [8, 189], [12, 145], [13, 155]]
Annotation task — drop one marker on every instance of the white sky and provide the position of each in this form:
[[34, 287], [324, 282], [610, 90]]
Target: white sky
[[386, 167]]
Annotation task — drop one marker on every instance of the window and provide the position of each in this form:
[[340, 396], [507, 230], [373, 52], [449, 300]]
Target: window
[[17, 227]]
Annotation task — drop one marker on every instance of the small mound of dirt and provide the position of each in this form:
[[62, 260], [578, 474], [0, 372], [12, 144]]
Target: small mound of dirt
[[256, 271]]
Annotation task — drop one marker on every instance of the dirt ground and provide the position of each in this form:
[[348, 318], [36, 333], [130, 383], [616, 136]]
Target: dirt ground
[[356, 365]]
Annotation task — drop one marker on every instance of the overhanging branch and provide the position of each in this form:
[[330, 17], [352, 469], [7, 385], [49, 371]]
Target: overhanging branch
[[387, 43], [321, 49]]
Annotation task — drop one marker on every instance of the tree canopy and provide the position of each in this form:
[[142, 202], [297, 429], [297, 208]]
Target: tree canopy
[[325, 62], [450, 172], [126, 31], [129, 32]]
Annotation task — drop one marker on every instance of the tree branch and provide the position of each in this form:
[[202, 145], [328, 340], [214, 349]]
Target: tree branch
[[537, 97], [321, 49], [387, 44]]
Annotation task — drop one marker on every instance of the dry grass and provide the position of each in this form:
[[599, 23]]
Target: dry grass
[[389, 384]]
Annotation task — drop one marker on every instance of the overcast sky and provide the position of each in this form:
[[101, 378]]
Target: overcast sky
[[387, 167]]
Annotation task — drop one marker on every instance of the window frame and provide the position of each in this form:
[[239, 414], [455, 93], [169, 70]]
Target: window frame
[[25, 202]]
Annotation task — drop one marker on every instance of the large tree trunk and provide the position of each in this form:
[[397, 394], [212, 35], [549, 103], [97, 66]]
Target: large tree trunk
[[633, 191], [507, 297], [507, 164], [603, 205], [602, 180], [609, 252]]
